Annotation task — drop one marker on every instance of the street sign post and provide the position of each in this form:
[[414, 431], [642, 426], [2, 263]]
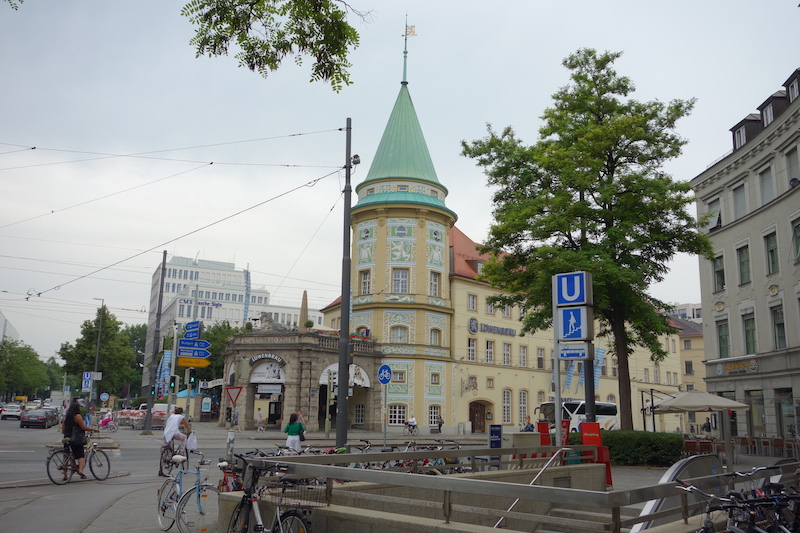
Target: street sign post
[[193, 352], [188, 343], [384, 377]]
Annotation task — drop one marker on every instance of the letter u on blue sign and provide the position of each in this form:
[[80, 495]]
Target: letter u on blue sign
[[571, 288]]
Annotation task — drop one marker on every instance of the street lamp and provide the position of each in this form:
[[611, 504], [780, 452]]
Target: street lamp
[[97, 351]]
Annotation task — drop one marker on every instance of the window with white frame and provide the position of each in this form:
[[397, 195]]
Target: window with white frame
[[719, 274], [365, 282], [506, 353], [523, 406], [397, 414], [472, 302], [472, 348], [360, 413], [792, 165], [715, 208], [523, 356], [611, 399], [490, 351], [507, 311], [646, 375], [434, 286], [540, 397], [489, 383], [400, 280], [656, 373], [749, 327], [739, 137], [489, 308], [743, 256], [435, 378], [723, 339], [436, 337], [540, 358], [767, 115], [739, 202], [796, 240], [433, 414], [613, 368], [766, 186], [794, 91], [399, 335], [778, 328], [771, 248], [398, 376], [506, 406], [687, 344]]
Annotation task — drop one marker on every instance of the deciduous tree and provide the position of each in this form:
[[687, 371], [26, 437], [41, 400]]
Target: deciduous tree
[[592, 195]]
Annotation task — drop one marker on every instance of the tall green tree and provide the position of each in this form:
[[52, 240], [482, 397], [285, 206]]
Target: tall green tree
[[218, 335], [592, 195], [21, 371], [115, 358], [137, 339], [267, 31]]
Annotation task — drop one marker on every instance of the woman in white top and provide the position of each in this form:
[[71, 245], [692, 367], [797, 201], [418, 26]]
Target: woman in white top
[[173, 426]]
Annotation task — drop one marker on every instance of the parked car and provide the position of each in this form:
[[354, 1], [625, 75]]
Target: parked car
[[34, 419], [11, 411]]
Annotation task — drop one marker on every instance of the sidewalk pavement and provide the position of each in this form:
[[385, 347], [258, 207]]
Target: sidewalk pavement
[[137, 510]]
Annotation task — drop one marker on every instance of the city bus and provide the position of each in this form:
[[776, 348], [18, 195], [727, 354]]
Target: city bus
[[575, 412]]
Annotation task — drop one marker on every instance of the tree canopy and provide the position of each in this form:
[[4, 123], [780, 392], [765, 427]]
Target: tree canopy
[[115, 358], [21, 371], [591, 195], [267, 31]]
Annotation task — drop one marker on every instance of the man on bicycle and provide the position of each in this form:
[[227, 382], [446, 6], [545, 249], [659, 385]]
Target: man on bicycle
[[412, 422]]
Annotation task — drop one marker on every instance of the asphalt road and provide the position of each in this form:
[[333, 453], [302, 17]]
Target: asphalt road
[[30, 502]]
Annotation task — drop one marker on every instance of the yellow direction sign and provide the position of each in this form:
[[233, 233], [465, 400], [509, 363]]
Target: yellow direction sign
[[197, 362]]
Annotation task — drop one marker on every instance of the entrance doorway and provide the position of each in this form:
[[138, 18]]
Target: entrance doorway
[[477, 415]]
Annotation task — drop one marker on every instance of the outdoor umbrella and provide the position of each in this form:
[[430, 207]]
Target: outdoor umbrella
[[695, 400]]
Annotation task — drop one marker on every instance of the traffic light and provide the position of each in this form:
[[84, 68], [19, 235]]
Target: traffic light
[[228, 414], [173, 380], [192, 376], [152, 390]]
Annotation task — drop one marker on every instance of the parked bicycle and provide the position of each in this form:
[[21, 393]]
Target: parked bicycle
[[293, 499], [196, 508], [62, 465]]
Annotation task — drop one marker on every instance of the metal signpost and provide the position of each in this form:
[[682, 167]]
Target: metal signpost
[[573, 332], [384, 377]]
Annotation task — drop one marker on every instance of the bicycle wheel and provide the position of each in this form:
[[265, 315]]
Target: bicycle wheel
[[99, 464], [112, 427], [168, 497], [292, 522], [166, 460], [240, 519], [198, 511], [60, 467]]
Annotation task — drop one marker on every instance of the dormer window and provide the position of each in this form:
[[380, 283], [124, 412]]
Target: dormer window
[[402, 188], [793, 91], [739, 138], [767, 115]]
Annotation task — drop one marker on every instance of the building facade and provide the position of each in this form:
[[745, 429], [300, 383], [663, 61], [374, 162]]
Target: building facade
[[211, 292], [751, 289]]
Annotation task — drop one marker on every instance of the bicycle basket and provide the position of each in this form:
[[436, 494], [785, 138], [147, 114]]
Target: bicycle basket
[[298, 493]]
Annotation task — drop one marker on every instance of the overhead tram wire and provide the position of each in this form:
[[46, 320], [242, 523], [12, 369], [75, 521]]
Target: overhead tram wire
[[53, 212], [223, 219], [142, 155]]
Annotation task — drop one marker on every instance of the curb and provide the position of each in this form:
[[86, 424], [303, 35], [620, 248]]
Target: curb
[[46, 481]]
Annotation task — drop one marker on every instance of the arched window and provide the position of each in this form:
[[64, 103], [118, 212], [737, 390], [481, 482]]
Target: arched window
[[611, 399], [436, 337], [399, 335], [506, 406], [540, 397]]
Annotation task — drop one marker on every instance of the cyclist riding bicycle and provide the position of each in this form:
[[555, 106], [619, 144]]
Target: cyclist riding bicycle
[[412, 422], [173, 426]]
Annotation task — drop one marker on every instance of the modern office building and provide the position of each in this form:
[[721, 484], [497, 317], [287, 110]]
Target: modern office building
[[211, 292], [751, 289], [7, 330]]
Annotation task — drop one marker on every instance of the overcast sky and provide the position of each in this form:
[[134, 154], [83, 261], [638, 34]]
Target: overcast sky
[[126, 124]]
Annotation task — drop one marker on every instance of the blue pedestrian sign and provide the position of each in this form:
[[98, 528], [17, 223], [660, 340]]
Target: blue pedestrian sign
[[385, 374], [574, 324], [574, 288]]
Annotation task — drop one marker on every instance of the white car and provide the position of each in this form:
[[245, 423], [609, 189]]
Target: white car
[[11, 411]]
